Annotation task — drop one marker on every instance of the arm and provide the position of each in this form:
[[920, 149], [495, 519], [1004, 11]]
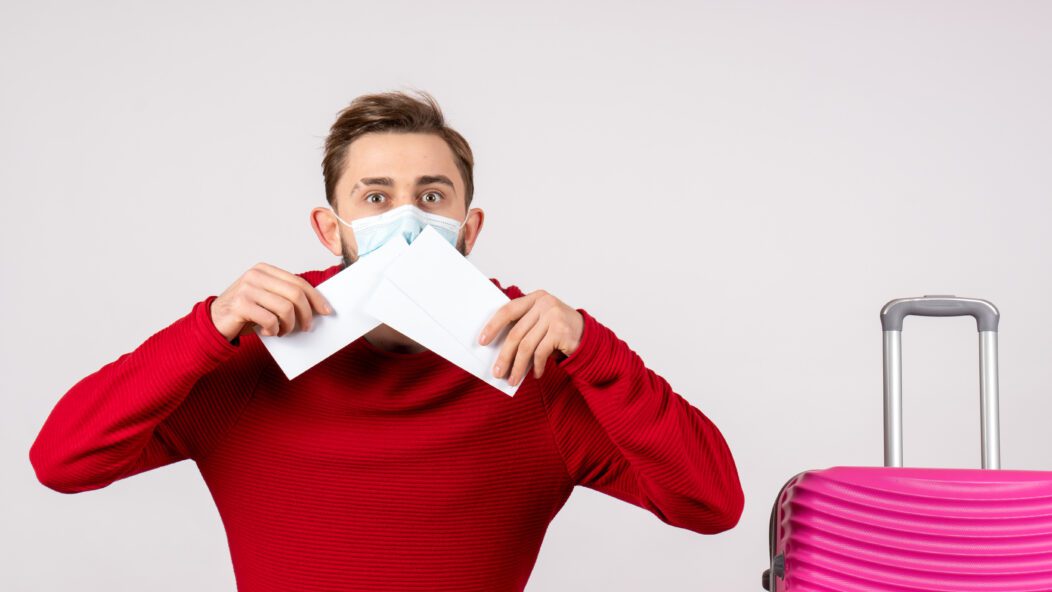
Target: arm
[[170, 399], [624, 432]]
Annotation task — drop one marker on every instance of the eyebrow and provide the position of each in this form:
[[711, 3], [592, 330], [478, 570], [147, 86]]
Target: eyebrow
[[388, 181]]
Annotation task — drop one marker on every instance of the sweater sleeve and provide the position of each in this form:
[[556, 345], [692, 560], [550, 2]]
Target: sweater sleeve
[[171, 398], [623, 431]]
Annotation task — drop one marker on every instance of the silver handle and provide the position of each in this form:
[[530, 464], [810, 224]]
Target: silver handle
[[987, 318]]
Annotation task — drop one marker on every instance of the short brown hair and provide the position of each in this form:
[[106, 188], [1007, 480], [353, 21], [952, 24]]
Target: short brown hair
[[393, 111]]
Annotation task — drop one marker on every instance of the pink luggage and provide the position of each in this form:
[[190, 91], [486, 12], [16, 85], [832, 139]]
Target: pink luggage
[[899, 529]]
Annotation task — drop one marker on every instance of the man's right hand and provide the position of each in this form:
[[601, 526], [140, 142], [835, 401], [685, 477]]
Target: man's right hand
[[272, 298]]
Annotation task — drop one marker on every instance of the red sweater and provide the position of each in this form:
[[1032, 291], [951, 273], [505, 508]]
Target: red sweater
[[377, 470]]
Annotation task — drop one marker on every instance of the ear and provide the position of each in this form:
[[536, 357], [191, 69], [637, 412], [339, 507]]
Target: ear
[[328, 229], [472, 228]]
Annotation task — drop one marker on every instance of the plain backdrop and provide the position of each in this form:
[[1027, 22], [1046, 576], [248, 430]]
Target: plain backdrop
[[734, 188]]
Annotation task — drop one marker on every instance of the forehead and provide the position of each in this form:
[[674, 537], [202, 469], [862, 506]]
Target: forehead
[[402, 156]]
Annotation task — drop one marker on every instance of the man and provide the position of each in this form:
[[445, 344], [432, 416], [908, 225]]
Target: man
[[386, 467]]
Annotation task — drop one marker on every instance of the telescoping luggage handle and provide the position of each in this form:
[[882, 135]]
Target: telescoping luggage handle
[[986, 319]]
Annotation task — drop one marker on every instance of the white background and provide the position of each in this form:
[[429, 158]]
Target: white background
[[734, 188]]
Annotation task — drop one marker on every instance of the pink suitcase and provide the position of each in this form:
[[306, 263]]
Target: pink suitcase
[[911, 529]]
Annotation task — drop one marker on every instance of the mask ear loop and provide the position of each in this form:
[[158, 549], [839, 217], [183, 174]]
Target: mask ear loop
[[340, 219]]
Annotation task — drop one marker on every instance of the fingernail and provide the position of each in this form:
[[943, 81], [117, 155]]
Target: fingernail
[[328, 309], [482, 338], [496, 370]]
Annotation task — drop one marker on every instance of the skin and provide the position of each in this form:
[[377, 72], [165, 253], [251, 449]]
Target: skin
[[280, 302]]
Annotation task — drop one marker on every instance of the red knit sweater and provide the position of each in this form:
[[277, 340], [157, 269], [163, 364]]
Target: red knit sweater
[[377, 470]]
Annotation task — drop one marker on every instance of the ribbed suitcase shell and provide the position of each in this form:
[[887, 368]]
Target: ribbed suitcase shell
[[910, 529], [907, 529]]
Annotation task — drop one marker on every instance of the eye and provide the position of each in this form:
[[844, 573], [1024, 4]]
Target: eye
[[435, 193], [369, 196]]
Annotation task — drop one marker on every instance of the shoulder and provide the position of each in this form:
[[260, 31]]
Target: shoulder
[[511, 291], [317, 276]]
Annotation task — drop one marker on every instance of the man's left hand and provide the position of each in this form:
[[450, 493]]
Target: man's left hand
[[543, 325]]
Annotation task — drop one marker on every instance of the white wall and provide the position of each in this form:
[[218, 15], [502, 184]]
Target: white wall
[[734, 188]]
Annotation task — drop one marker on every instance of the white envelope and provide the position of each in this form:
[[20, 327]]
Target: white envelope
[[426, 290], [346, 292], [436, 297]]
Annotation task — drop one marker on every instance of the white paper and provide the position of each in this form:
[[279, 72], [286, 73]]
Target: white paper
[[404, 316], [426, 290], [346, 292], [436, 297]]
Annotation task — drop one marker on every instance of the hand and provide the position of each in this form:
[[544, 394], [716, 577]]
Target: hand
[[543, 325], [272, 298]]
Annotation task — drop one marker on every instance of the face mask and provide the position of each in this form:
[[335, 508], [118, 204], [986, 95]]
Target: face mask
[[405, 221]]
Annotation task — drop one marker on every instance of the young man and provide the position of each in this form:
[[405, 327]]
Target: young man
[[386, 467]]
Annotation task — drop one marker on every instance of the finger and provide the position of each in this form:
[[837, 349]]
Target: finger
[[278, 305], [504, 315], [314, 297], [307, 297], [527, 347], [510, 345], [267, 321], [287, 290], [543, 352]]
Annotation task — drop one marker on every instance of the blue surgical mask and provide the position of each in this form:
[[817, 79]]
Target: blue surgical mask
[[406, 221]]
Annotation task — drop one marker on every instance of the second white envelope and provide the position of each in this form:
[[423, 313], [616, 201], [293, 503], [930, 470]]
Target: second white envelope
[[436, 297]]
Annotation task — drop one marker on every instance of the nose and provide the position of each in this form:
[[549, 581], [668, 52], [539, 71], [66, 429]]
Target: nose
[[401, 198]]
